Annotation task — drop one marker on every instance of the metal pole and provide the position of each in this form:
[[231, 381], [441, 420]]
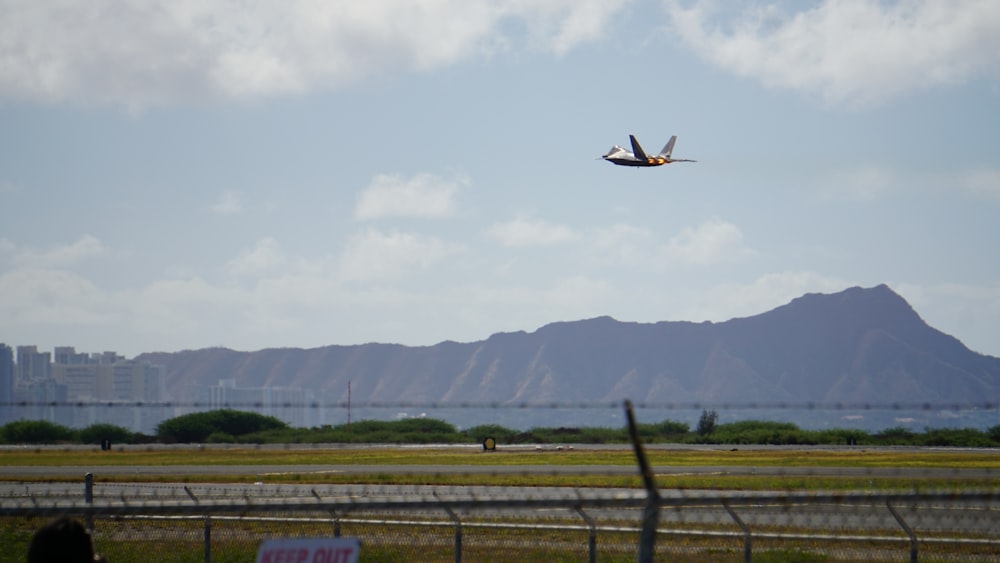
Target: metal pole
[[88, 497], [747, 538], [592, 536], [458, 533], [651, 514], [906, 528], [208, 539], [333, 514]]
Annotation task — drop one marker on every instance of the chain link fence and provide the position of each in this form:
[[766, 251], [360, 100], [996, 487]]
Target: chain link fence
[[189, 523]]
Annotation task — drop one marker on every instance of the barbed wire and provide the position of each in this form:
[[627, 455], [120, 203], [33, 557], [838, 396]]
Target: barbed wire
[[469, 500]]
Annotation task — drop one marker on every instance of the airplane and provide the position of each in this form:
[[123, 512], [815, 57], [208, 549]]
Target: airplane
[[618, 155]]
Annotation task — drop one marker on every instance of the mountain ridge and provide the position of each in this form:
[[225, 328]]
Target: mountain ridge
[[858, 345]]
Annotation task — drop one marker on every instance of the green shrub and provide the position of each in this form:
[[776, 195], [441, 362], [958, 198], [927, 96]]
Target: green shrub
[[842, 436], [993, 433], [955, 437], [35, 432], [667, 428], [423, 425], [895, 436], [97, 433], [708, 422], [219, 438], [196, 427]]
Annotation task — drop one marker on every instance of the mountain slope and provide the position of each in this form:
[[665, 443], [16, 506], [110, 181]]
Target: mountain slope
[[859, 345]]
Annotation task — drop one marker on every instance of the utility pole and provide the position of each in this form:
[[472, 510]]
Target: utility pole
[[348, 405]]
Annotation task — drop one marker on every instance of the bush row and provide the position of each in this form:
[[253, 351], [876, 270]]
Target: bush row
[[231, 426]]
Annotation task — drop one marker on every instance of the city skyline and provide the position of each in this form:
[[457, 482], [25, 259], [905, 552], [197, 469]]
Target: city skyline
[[78, 389]]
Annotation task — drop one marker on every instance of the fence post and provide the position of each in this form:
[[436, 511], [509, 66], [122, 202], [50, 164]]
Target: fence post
[[747, 538], [592, 536], [906, 528], [458, 533], [333, 514], [208, 539], [651, 514], [88, 497]]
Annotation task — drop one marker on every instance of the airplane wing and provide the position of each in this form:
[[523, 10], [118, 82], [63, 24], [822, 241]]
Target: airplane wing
[[636, 149]]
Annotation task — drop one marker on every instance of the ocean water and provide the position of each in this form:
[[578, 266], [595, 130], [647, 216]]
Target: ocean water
[[868, 419]]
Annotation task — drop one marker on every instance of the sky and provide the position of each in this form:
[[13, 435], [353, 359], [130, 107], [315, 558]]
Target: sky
[[196, 173]]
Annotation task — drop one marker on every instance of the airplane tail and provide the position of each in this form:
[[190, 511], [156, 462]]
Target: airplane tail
[[668, 149]]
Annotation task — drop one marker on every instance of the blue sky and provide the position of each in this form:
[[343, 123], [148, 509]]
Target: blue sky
[[186, 174]]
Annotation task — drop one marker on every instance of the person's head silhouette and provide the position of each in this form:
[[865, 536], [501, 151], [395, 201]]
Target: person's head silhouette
[[63, 540]]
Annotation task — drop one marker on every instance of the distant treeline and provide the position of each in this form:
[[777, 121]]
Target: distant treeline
[[239, 427]]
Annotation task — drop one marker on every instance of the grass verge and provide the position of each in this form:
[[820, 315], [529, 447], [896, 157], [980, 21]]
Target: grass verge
[[402, 456]]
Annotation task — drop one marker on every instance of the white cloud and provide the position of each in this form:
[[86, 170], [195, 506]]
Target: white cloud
[[36, 296], [711, 242], [984, 182], [42, 299], [522, 231], [188, 310], [534, 302], [292, 300], [265, 257], [140, 54], [726, 301], [623, 244], [7, 247], [376, 255], [87, 247], [230, 202], [562, 25], [579, 296], [422, 195], [856, 52]]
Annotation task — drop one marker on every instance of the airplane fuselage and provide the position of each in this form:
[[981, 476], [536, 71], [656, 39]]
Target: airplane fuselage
[[638, 157], [626, 161]]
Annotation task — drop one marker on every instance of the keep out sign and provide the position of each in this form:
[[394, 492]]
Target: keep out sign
[[309, 550]]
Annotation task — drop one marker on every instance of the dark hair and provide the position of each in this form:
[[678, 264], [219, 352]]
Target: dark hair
[[63, 540]]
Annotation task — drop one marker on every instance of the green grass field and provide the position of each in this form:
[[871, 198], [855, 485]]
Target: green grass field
[[390, 457]]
